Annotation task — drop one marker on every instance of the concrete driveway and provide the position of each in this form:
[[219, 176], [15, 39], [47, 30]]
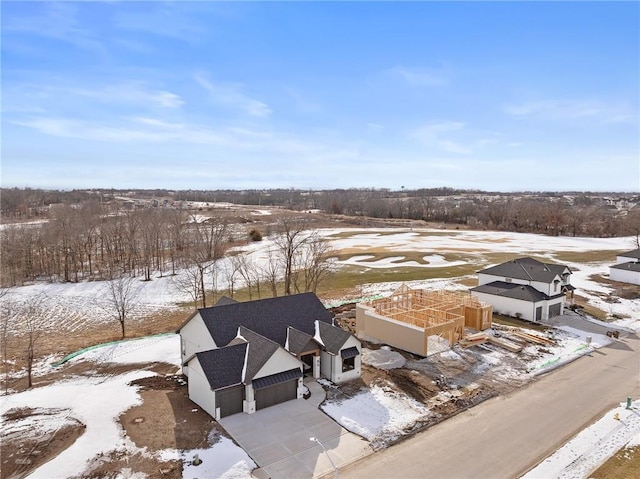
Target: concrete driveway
[[277, 438]]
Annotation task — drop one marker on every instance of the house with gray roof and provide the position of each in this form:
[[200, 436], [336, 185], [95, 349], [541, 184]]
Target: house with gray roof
[[627, 267], [525, 288], [242, 357]]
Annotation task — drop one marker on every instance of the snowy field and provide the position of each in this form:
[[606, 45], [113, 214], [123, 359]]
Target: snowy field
[[71, 306], [378, 414]]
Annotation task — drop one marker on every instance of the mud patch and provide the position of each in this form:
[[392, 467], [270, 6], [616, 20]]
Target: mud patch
[[32, 437]]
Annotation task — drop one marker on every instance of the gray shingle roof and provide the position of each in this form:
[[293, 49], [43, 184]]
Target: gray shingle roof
[[300, 342], [276, 378], [512, 290], [223, 367], [267, 317], [527, 269], [631, 254], [630, 266], [225, 300], [332, 337], [260, 350]]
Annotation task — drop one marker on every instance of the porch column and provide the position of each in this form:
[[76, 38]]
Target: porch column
[[316, 365], [249, 404]]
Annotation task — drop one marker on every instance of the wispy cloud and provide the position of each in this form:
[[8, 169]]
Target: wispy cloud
[[54, 20], [231, 95], [162, 19], [420, 76], [570, 110], [437, 135], [35, 96], [153, 130]]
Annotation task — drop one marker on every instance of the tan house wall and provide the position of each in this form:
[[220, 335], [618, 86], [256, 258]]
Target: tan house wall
[[394, 333]]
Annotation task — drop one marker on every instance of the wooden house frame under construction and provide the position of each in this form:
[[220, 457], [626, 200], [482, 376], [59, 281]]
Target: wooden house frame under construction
[[408, 317]]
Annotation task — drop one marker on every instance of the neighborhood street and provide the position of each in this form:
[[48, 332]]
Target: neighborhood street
[[506, 436]]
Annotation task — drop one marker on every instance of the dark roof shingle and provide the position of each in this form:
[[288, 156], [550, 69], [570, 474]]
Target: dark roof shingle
[[223, 367], [299, 342], [332, 337], [527, 269], [631, 254], [267, 317], [512, 290]]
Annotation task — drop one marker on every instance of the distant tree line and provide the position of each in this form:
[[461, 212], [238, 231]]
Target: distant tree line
[[88, 242]]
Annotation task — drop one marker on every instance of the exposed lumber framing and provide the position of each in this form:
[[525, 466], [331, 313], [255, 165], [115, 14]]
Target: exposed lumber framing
[[441, 313]]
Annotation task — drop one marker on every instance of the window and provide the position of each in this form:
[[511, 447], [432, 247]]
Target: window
[[184, 347], [348, 364]]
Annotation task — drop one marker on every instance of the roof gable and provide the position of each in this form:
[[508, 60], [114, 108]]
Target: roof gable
[[331, 337], [269, 318], [223, 367], [528, 269], [260, 350], [299, 342]]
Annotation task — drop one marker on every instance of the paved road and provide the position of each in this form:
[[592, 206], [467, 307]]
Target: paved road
[[504, 437]]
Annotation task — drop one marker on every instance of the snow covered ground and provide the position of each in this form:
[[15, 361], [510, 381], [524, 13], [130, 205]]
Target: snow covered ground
[[97, 402], [592, 446], [379, 414], [70, 306]]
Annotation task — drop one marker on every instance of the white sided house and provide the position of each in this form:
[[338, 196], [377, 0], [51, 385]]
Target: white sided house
[[525, 288], [627, 267], [242, 357]]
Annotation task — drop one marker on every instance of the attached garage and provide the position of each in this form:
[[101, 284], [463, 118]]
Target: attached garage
[[229, 400], [277, 388], [555, 309]]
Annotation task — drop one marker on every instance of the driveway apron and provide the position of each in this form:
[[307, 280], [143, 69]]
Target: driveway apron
[[278, 438]]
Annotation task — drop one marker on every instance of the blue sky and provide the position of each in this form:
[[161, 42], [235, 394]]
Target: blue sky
[[205, 95]]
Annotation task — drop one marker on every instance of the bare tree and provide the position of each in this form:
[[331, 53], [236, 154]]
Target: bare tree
[[271, 272], [32, 317], [190, 282], [632, 225], [230, 272], [292, 236], [122, 299], [249, 271], [312, 264], [6, 312]]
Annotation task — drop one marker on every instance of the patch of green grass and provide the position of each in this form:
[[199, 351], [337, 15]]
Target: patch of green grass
[[596, 256]]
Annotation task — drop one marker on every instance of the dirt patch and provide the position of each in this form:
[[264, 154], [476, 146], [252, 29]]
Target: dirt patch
[[23, 449], [121, 464], [167, 418], [624, 464]]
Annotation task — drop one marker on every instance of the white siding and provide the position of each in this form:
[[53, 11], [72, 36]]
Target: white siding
[[326, 364], [280, 361], [625, 276], [199, 389], [509, 306], [546, 288], [513, 307], [194, 338], [339, 376], [625, 259]]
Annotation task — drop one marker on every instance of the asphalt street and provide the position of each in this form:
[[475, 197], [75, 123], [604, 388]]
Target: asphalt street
[[506, 436]]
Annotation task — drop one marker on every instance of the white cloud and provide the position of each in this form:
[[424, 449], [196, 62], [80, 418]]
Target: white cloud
[[231, 95], [435, 135], [420, 76], [571, 110]]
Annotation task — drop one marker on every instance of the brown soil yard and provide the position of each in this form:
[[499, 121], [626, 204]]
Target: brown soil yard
[[167, 419]]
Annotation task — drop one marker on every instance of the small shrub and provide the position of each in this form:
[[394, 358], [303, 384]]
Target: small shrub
[[255, 235]]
